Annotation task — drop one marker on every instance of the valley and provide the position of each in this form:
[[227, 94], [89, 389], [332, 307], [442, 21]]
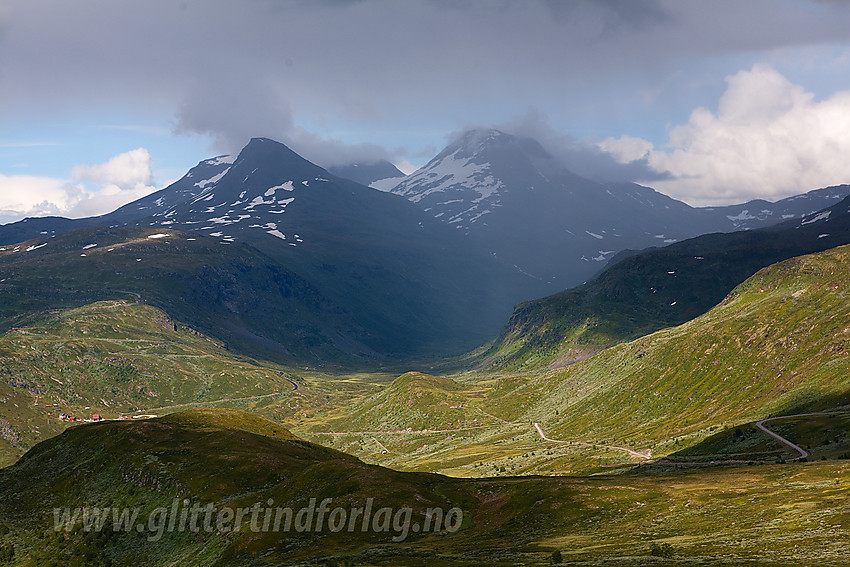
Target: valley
[[522, 452], [687, 405]]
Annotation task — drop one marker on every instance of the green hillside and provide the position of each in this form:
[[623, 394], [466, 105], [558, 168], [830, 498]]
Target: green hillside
[[777, 345], [766, 516], [651, 290], [115, 357]]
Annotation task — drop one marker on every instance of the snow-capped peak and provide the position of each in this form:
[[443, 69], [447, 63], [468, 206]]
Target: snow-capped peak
[[221, 160], [467, 180], [474, 142]]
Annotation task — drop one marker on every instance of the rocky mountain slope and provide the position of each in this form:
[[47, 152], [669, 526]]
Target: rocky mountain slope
[[519, 202], [656, 288]]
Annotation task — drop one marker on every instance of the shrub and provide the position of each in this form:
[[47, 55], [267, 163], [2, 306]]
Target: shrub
[[663, 550]]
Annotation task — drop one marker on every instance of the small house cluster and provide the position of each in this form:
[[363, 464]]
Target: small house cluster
[[67, 417]]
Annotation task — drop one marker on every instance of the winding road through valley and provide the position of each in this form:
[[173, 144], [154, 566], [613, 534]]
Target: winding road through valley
[[803, 453], [645, 456]]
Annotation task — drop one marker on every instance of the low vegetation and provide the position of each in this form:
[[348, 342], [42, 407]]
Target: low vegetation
[[644, 454], [229, 459], [651, 290]]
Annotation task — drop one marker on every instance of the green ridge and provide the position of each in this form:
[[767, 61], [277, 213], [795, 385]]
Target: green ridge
[[766, 516], [778, 345]]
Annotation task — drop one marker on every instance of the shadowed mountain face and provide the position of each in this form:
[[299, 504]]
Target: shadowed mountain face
[[519, 202], [411, 285], [233, 292], [657, 288]]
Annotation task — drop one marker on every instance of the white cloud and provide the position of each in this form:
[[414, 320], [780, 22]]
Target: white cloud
[[90, 190], [29, 196], [768, 139], [126, 171]]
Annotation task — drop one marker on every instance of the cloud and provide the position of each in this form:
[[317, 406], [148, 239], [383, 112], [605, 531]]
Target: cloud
[[235, 110], [584, 158], [90, 190], [372, 79], [30, 196], [769, 138], [128, 171], [329, 152]]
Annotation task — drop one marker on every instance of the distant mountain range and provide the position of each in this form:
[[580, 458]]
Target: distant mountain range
[[655, 288], [410, 284], [507, 193], [430, 268]]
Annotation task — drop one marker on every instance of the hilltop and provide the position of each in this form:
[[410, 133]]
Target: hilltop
[[232, 460]]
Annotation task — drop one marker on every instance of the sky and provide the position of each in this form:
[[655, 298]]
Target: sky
[[709, 101]]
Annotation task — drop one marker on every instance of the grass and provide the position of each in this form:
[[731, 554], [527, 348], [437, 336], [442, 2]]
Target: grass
[[770, 515], [776, 346], [649, 291]]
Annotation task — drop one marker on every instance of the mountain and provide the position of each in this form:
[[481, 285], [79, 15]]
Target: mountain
[[656, 288], [777, 345], [406, 283], [369, 173], [235, 293], [510, 195], [434, 268]]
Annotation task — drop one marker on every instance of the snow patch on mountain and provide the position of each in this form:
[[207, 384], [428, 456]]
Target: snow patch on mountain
[[453, 172], [285, 186], [821, 216], [742, 216], [221, 160], [387, 185], [212, 180]]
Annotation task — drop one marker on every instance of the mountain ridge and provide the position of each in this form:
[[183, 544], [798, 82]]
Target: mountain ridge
[[647, 290], [410, 284], [511, 196]]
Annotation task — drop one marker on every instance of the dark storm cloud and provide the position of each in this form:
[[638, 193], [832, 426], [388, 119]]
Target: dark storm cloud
[[611, 15], [581, 157], [300, 71]]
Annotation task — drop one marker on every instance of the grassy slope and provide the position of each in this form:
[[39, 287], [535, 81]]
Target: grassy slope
[[112, 357], [777, 515], [777, 345], [651, 290]]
